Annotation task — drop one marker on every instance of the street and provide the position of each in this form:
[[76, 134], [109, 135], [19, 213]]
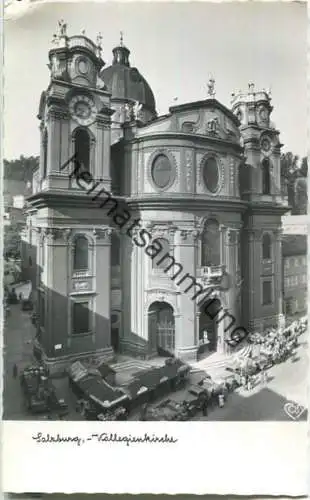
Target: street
[[287, 382], [17, 348]]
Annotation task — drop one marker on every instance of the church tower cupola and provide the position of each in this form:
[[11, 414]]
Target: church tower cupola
[[121, 54]]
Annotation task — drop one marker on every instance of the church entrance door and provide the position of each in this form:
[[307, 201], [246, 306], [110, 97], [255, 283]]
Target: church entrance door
[[161, 328], [208, 328]]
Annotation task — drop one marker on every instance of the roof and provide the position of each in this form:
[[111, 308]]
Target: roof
[[149, 379], [127, 83], [206, 103], [99, 390], [294, 245]]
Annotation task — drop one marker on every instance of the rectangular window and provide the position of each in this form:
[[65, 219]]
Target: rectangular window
[[267, 293], [80, 318], [286, 282], [286, 263]]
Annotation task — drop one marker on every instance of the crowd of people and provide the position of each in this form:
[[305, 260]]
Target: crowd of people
[[272, 347]]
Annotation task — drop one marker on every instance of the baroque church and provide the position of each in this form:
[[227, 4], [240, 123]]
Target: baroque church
[[138, 223]]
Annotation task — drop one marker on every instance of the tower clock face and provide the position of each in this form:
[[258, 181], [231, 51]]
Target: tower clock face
[[266, 144], [83, 110], [263, 114]]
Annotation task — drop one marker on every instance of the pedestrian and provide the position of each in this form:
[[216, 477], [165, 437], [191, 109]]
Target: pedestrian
[[221, 400], [15, 370], [249, 384], [205, 407], [264, 377]]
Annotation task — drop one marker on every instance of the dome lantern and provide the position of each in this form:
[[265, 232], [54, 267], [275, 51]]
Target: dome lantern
[[121, 53]]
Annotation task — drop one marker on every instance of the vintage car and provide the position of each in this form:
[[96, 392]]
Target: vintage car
[[27, 305], [167, 410], [118, 414], [39, 393], [195, 399]]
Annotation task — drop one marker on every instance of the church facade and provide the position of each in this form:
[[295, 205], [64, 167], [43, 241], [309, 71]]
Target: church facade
[[150, 233]]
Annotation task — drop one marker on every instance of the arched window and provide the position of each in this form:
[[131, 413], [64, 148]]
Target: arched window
[[266, 244], [210, 245], [45, 141], [80, 260], [159, 262], [211, 174], [115, 250], [82, 148], [266, 176]]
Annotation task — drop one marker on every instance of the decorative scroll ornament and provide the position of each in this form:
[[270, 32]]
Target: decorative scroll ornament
[[189, 234], [103, 232], [189, 169], [213, 126]]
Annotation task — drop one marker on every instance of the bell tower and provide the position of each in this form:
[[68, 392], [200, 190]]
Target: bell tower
[[73, 224], [260, 187]]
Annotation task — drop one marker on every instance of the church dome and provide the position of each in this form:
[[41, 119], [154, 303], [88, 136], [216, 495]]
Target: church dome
[[127, 83]]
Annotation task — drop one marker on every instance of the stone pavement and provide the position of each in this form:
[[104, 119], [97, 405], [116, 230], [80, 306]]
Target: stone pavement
[[287, 381], [18, 333]]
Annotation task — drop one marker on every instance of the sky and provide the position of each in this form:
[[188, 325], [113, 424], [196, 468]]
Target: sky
[[176, 47]]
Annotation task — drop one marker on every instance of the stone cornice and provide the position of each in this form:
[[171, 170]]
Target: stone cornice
[[208, 139], [181, 201], [74, 86]]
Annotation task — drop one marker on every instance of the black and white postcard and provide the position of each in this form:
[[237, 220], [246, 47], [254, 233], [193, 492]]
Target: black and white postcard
[[155, 330]]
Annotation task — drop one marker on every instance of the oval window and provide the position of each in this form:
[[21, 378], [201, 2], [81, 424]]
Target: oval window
[[83, 66], [211, 175], [161, 171]]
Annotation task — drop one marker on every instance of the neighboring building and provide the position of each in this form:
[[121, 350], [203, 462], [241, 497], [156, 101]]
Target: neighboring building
[[295, 224], [191, 226], [19, 201], [294, 249]]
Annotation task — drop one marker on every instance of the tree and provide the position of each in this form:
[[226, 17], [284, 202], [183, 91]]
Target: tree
[[301, 196], [20, 169], [12, 241], [293, 174], [304, 167]]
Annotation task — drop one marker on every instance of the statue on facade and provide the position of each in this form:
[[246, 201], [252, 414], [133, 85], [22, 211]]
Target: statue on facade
[[99, 44], [128, 109], [62, 28], [211, 88], [55, 40], [137, 110]]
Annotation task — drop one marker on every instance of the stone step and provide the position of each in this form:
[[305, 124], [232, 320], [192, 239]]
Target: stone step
[[216, 362], [131, 365]]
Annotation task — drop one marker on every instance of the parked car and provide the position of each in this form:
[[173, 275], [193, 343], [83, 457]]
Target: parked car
[[39, 393], [195, 399], [168, 410], [34, 318], [27, 305]]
